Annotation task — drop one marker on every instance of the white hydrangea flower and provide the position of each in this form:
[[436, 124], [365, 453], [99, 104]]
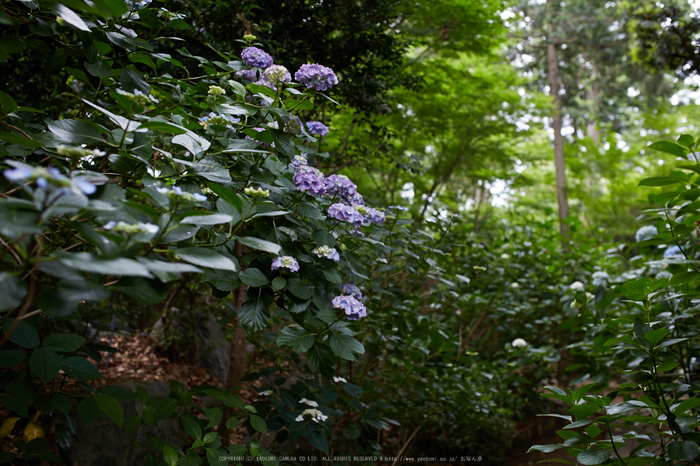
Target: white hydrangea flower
[[265, 393], [311, 403], [576, 286], [339, 379], [505, 256], [519, 343], [515, 285]]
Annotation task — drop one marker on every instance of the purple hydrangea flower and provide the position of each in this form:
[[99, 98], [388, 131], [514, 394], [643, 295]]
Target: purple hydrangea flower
[[375, 216], [317, 128], [299, 161], [316, 76], [357, 199], [274, 76], [253, 56], [309, 179], [340, 185], [352, 290], [352, 307], [287, 262], [327, 252], [345, 213], [250, 75], [85, 186]]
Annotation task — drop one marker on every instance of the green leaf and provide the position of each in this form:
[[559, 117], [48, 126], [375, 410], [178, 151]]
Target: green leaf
[[321, 360], [87, 262], [45, 363], [253, 277], [69, 16], [162, 127], [213, 219], [318, 440], [582, 411], [278, 283], [61, 403], [88, 410], [297, 338], [10, 358], [13, 138], [76, 131], [254, 315], [12, 289], [110, 407], [545, 448], [7, 103], [592, 457], [661, 181], [163, 407], [260, 244], [23, 334], [345, 346], [170, 456], [64, 342], [100, 69], [299, 289], [686, 140], [206, 258], [80, 368], [657, 335], [669, 147], [283, 142], [258, 423], [227, 195], [192, 427], [683, 451]]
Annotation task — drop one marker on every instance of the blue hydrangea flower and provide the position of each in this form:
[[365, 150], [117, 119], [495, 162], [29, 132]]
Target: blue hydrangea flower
[[346, 213], [645, 233], [309, 179], [316, 76], [353, 308], [673, 251], [253, 56], [375, 216], [352, 290], [289, 232], [340, 185], [177, 193], [316, 128], [286, 262], [18, 174], [43, 177], [357, 199], [399, 207], [250, 75], [299, 161], [327, 252]]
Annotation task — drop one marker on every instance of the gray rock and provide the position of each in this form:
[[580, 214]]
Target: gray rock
[[214, 350], [103, 443]]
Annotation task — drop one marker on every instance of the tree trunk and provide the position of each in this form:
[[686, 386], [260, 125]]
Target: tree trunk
[[559, 162]]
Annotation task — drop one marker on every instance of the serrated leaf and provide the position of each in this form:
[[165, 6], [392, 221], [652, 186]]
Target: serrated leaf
[[298, 288], [254, 315], [253, 277], [278, 283], [346, 346], [321, 360], [297, 338]]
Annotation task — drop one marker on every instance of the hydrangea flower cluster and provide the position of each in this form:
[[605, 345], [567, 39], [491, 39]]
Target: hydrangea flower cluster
[[340, 185], [217, 91], [257, 192], [372, 214], [43, 177], [601, 278], [673, 251], [339, 379], [218, 119], [316, 76], [315, 415], [131, 228], [316, 128], [519, 343], [265, 393], [327, 252], [311, 403], [309, 179], [352, 290], [253, 56], [346, 213], [250, 75], [353, 308], [645, 233], [299, 160], [169, 15], [291, 233], [275, 76], [78, 152], [285, 262], [576, 286], [176, 193], [138, 97]]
